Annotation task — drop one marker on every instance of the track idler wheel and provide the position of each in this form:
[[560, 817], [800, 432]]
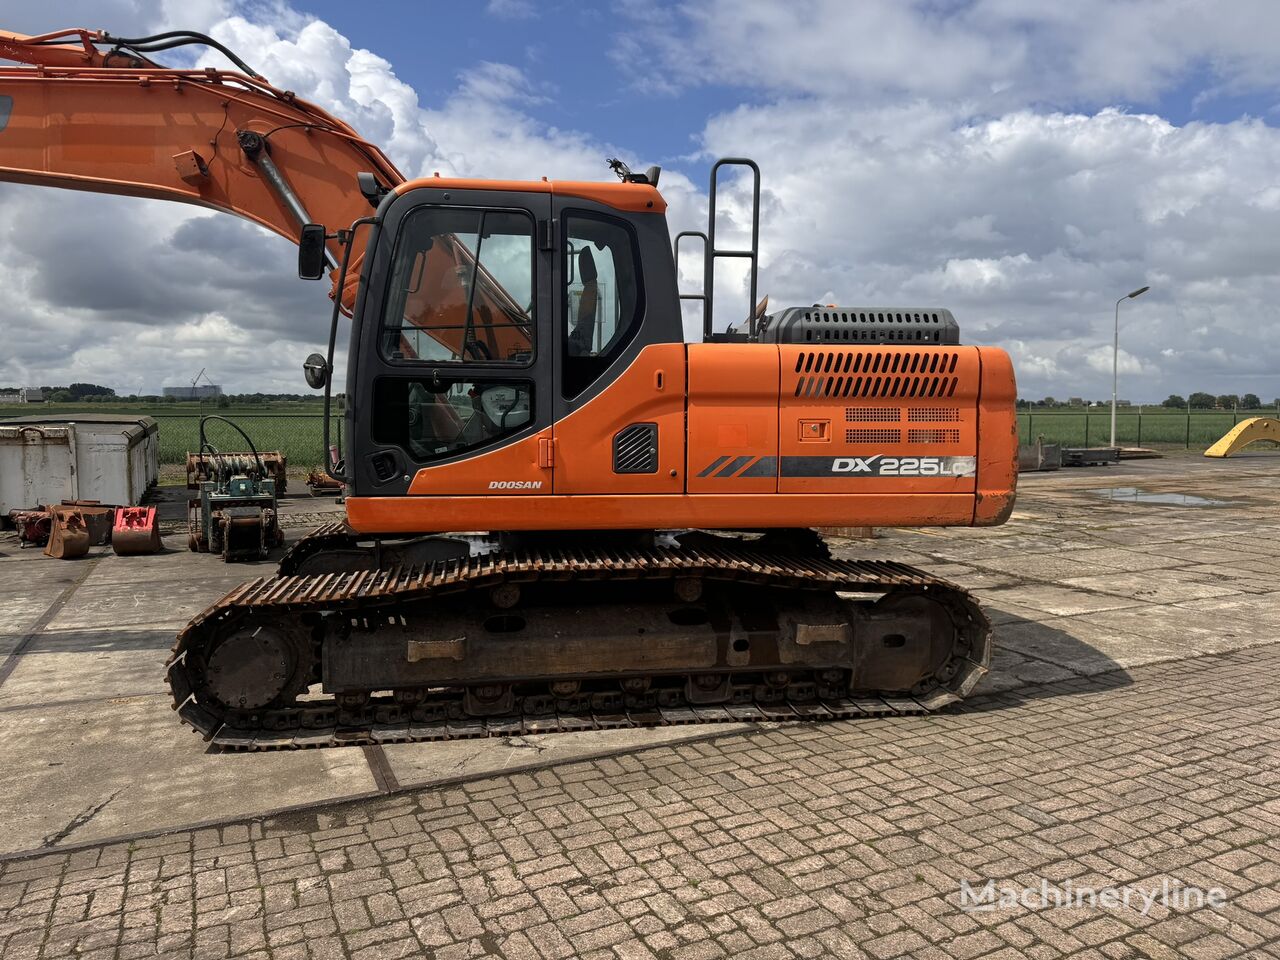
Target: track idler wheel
[[904, 641], [257, 666]]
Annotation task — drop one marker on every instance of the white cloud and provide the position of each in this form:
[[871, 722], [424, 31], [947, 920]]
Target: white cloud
[[311, 58], [968, 154], [997, 54], [1029, 226], [177, 288], [1100, 359]]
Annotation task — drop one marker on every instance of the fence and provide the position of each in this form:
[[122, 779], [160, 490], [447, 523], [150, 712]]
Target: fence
[[300, 436], [1198, 428]]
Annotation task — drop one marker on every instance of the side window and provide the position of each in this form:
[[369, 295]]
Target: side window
[[603, 297], [432, 418], [462, 288]]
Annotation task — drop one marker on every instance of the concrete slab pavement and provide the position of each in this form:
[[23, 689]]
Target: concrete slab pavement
[[1077, 586]]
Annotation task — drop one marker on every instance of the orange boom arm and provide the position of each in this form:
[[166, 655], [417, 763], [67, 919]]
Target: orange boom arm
[[115, 122]]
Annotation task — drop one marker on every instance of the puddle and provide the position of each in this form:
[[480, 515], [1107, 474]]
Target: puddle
[[1138, 495]]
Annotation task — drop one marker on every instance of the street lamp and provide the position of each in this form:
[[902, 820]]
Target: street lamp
[[1115, 358]]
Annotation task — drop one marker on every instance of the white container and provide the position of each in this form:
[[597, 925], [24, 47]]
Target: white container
[[110, 458]]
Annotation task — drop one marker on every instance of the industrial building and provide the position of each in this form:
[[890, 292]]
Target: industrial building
[[22, 395], [204, 391]]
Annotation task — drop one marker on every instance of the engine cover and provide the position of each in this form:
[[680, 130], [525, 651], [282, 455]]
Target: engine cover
[[832, 324]]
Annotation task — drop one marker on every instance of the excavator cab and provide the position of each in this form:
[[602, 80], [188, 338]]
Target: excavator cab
[[486, 317]]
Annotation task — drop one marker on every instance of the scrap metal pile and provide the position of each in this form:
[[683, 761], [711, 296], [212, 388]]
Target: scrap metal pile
[[68, 529]]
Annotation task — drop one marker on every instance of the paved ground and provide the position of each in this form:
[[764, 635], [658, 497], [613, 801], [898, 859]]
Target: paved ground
[[846, 839], [1127, 736]]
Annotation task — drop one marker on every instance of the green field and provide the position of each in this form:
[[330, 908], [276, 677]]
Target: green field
[[296, 429], [1152, 427]]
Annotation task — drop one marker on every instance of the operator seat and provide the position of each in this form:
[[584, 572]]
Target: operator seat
[[584, 329]]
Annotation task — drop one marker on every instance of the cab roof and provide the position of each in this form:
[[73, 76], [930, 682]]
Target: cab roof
[[632, 197]]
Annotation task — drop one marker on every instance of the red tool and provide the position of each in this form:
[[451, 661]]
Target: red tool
[[33, 526], [135, 531]]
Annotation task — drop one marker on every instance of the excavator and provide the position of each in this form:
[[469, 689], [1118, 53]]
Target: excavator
[[560, 515]]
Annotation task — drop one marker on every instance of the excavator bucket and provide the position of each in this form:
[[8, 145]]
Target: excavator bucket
[[96, 518], [1244, 433], [68, 534], [135, 531]]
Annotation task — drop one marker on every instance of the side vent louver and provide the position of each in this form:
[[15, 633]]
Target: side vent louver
[[872, 435], [939, 435], [882, 375], [635, 449], [871, 414], [933, 415]]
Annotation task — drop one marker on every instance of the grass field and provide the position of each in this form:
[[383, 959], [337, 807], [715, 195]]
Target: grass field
[[1153, 427], [296, 429]]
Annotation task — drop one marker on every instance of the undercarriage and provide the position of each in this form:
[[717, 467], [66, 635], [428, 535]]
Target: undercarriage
[[372, 643]]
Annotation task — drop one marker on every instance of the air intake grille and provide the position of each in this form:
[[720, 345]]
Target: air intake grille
[[635, 449], [872, 435], [940, 435], [884, 374], [871, 414], [384, 466], [933, 415]]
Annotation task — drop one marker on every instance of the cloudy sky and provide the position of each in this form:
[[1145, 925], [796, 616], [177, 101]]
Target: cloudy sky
[[1022, 163]]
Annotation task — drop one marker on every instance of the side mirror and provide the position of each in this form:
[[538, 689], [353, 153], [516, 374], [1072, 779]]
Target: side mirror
[[316, 371], [311, 252]]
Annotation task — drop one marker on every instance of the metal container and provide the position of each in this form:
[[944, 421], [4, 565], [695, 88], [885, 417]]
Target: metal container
[[111, 458]]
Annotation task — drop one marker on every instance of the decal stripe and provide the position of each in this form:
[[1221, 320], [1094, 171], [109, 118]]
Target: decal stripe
[[764, 467], [737, 464], [717, 463]]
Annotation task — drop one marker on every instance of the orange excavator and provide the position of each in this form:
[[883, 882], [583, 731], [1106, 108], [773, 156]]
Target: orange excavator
[[560, 515]]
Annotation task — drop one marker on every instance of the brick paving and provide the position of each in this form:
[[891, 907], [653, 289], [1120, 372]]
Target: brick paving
[[843, 839]]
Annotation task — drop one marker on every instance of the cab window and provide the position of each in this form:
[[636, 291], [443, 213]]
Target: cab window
[[603, 302], [462, 288], [433, 418]]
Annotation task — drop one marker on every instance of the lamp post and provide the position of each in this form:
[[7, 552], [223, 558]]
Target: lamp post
[[1115, 358]]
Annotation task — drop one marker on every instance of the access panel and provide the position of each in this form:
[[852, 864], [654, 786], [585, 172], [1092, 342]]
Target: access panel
[[733, 418], [878, 419]]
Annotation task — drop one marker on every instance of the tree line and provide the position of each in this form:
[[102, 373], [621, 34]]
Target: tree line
[[1207, 401], [1197, 401], [96, 393]]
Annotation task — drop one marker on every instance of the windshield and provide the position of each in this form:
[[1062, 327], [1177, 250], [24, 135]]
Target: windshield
[[462, 287]]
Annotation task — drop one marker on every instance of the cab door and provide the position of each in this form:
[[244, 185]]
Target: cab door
[[454, 390], [619, 357]]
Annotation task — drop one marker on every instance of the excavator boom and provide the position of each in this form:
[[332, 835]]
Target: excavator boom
[[116, 123], [53, 49]]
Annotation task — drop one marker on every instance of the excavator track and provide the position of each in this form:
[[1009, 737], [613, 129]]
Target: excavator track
[[247, 673]]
